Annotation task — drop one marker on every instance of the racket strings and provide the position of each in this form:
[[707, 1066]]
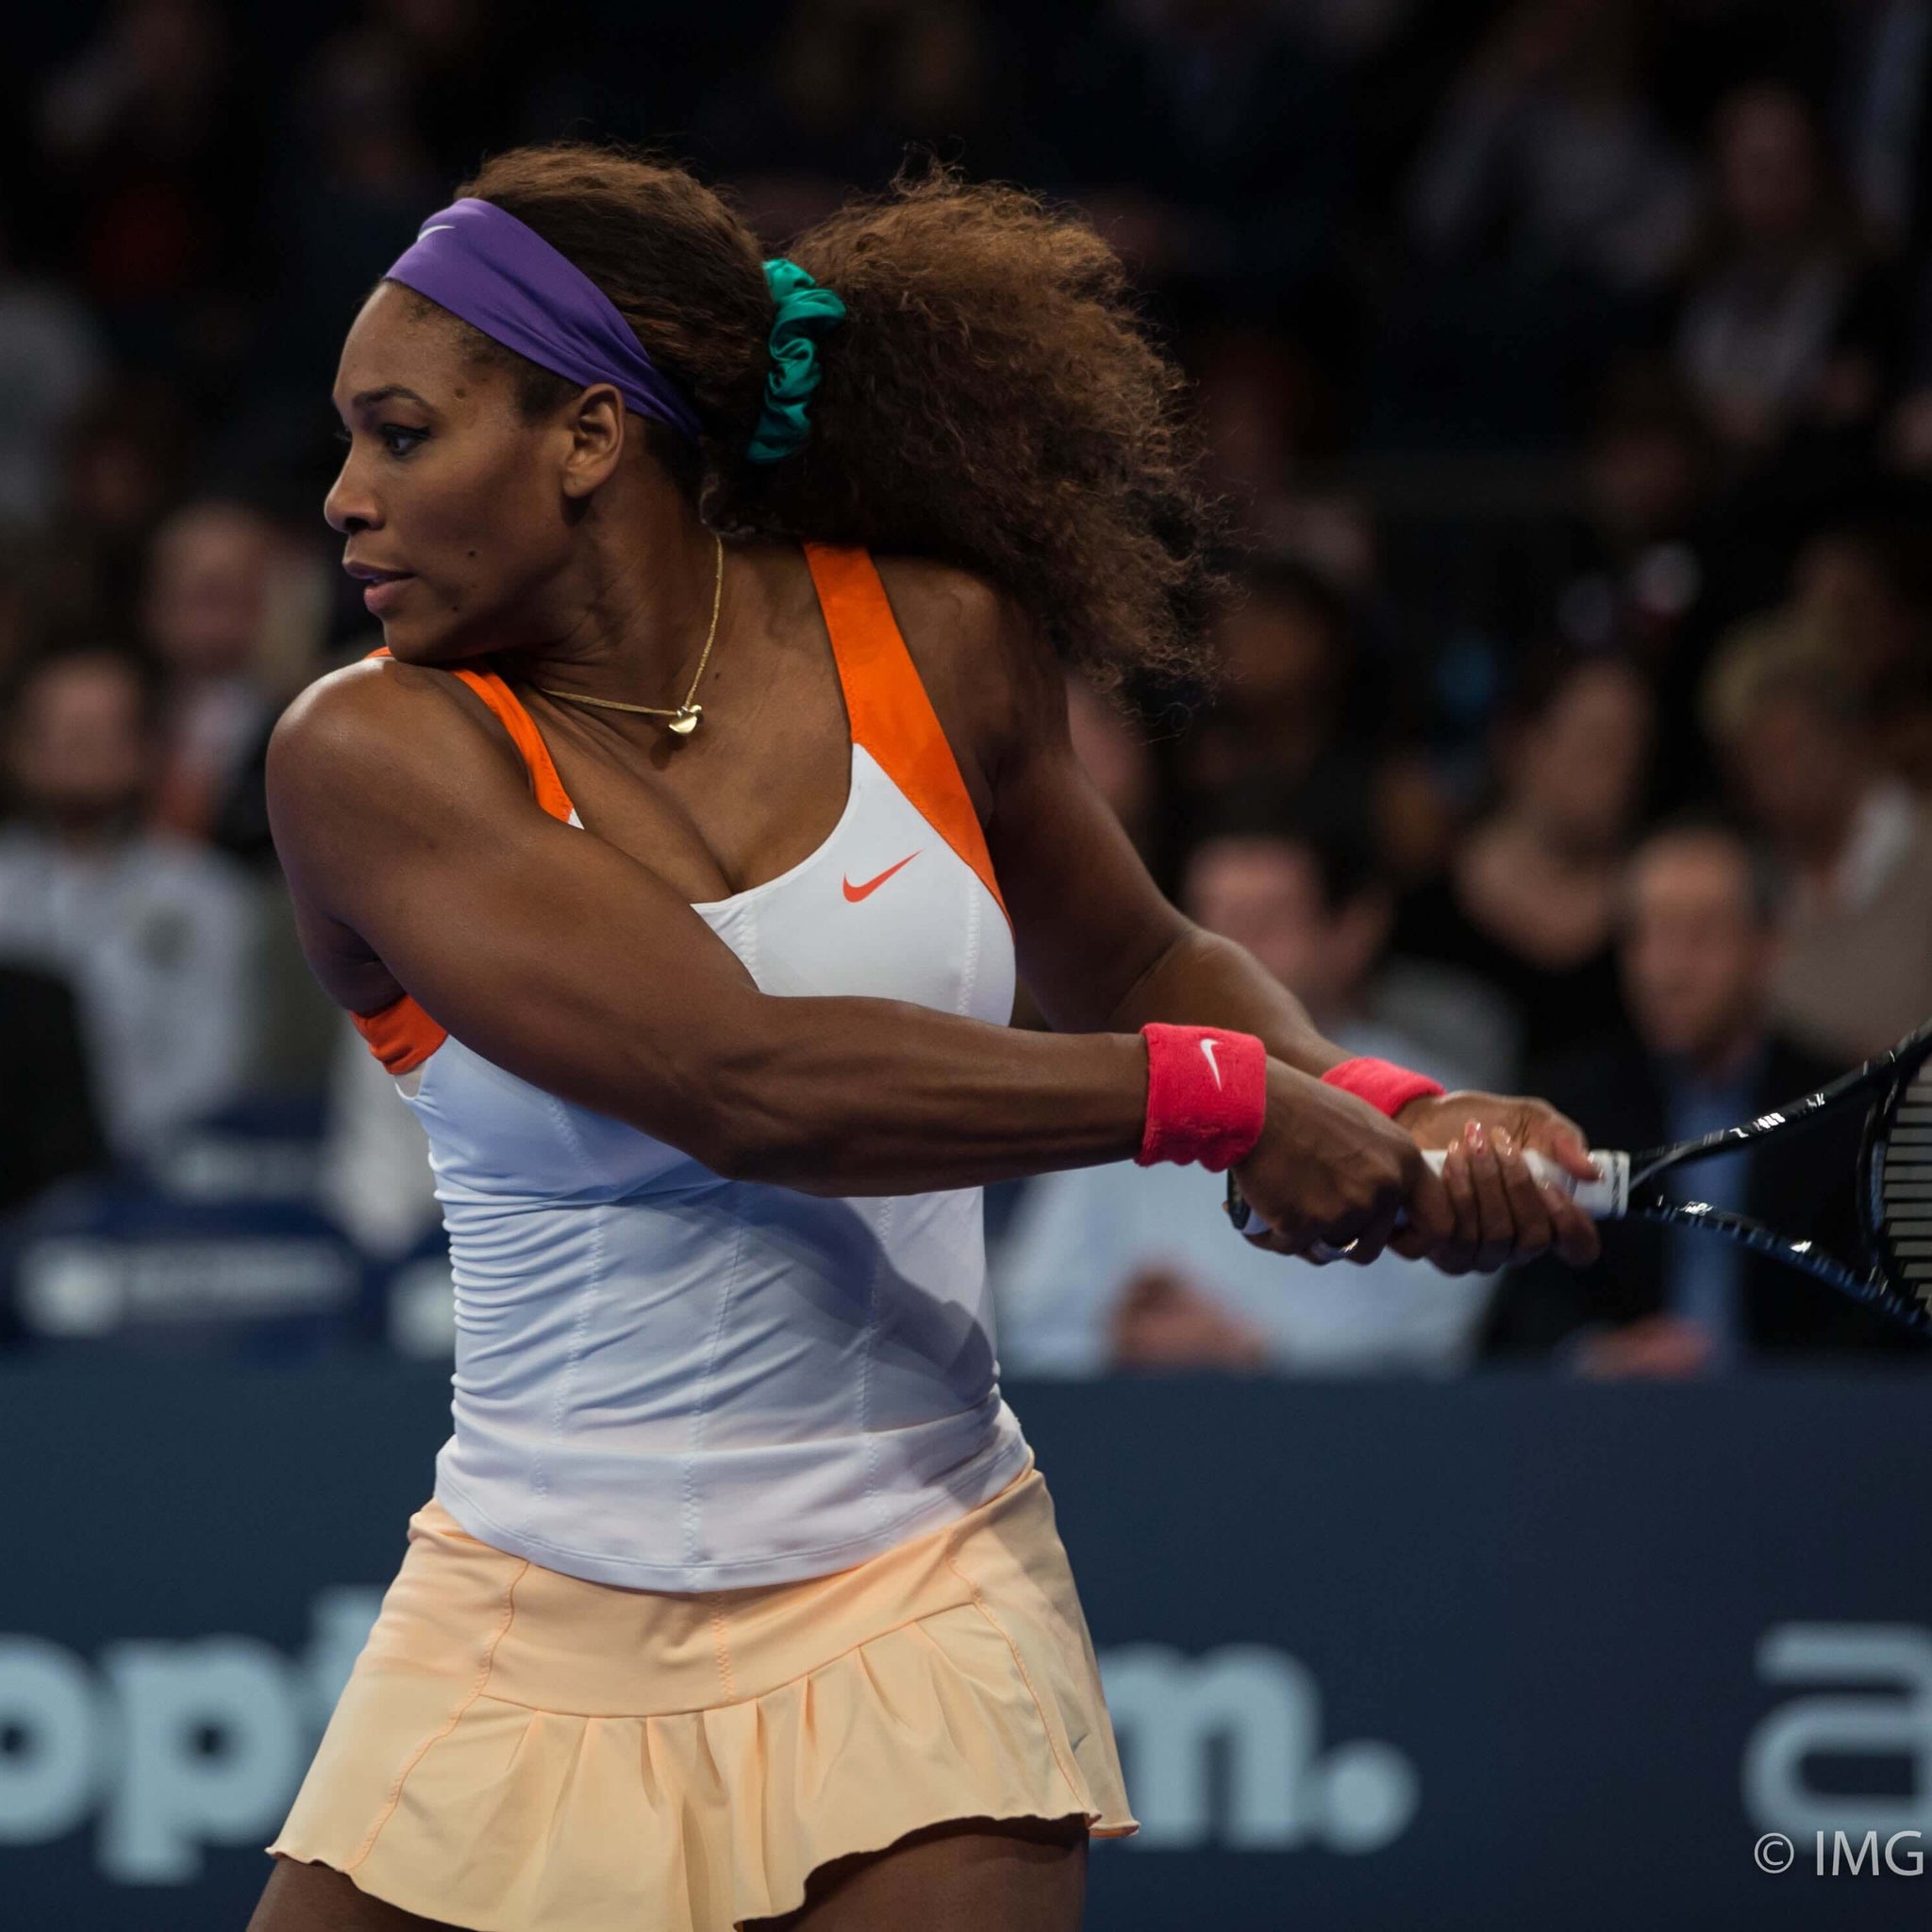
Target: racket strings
[[1905, 1188]]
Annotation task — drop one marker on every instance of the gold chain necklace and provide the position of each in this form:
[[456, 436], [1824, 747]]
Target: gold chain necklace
[[689, 715]]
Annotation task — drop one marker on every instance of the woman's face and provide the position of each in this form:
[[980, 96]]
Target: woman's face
[[1767, 165], [452, 504], [1580, 766]]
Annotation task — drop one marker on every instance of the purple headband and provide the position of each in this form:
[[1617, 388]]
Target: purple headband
[[501, 276]]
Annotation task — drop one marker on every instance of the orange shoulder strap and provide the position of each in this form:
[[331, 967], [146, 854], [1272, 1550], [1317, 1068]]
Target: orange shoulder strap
[[546, 786], [528, 740], [887, 705], [401, 1034]]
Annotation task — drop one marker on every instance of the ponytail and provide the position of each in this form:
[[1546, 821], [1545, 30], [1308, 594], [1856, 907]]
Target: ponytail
[[991, 399]]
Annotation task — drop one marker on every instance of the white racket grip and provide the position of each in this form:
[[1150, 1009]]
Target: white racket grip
[[1603, 1199]]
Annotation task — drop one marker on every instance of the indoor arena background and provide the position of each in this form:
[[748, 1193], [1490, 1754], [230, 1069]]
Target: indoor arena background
[[1567, 367]]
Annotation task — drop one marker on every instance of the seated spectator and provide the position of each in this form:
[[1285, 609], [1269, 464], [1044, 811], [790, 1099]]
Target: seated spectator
[[1267, 411], [1784, 322], [1209, 142], [1286, 651], [150, 158], [1529, 902], [357, 177], [155, 933], [1633, 571], [1882, 80], [48, 1129], [838, 90], [120, 460], [207, 612], [1855, 974], [1867, 584], [49, 357], [1699, 952], [1123, 1267], [1645, 566], [1547, 139], [1544, 207]]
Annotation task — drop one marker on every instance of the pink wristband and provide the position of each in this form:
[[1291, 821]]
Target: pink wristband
[[1385, 1086], [1207, 1095]]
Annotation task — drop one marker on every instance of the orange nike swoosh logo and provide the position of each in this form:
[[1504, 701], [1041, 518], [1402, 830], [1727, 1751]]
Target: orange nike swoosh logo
[[857, 892]]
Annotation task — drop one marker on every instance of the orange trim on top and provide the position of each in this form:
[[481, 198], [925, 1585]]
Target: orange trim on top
[[401, 1034], [528, 740], [887, 705], [544, 783]]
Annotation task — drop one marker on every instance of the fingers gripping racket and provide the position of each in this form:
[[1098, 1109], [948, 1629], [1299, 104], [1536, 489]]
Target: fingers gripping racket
[[1893, 1182]]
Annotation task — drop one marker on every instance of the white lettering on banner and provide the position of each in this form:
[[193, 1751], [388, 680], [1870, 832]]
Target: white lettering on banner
[[1892, 1717], [1265, 1708], [211, 1736], [47, 1705], [78, 1286], [177, 1746]]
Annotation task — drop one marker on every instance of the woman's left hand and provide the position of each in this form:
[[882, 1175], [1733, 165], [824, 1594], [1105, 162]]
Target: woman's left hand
[[1502, 1215]]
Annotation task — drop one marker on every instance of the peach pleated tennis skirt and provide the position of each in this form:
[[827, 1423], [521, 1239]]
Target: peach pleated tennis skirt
[[521, 1751]]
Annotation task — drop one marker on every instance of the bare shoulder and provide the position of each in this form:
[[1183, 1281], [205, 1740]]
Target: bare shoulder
[[372, 702], [378, 725], [986, 660], [380, 757]]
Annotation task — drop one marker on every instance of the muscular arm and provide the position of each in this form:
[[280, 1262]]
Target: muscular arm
[[1100, 948], [412, 845]]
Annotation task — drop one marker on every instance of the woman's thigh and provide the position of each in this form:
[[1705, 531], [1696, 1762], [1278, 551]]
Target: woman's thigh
[[1021, 1875], [313, 1898]]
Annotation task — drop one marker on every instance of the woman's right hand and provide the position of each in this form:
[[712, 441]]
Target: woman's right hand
[[1330, 1170]]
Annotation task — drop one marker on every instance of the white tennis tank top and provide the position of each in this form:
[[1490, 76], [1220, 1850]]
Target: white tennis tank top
[[672, 1381]]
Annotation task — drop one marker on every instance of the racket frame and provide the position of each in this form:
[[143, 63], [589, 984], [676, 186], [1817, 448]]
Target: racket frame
[[1890, 1074], [1870, 1282]]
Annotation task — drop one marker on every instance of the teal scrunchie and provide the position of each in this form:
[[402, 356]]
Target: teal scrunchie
[[805, 312]]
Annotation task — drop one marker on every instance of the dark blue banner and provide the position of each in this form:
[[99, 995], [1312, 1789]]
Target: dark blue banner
[[1488, 1655]]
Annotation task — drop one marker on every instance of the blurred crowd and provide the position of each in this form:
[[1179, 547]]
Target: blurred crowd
[[1567, 365]]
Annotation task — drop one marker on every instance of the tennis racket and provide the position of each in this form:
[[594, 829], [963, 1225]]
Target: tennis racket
[[1893, 1182]]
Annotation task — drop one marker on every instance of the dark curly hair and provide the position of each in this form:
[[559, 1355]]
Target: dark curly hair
[[992, 401]]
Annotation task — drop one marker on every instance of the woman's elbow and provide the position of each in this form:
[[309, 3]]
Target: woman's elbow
[[739, 1129]]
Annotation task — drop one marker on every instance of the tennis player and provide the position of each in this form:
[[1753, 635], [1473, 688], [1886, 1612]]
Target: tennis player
[[677, 858]]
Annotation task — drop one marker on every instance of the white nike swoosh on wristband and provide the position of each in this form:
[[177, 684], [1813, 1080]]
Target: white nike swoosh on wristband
[[1208, 1047]]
